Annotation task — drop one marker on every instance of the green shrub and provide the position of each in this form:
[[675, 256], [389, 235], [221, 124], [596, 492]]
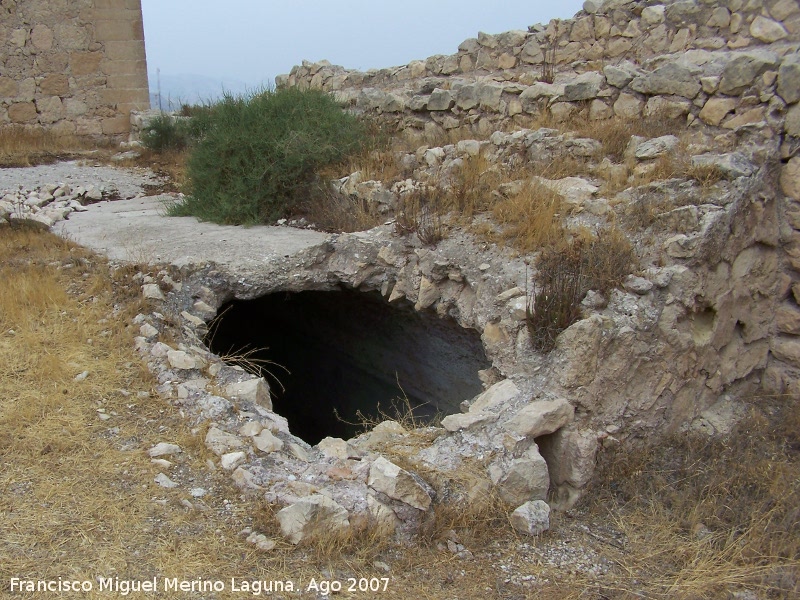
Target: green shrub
[[165, 132], [258, 155]]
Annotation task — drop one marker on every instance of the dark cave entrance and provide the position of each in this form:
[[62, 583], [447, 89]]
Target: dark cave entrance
[[350, 352]]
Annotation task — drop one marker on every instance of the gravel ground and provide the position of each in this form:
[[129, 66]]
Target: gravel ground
[[128, 182]]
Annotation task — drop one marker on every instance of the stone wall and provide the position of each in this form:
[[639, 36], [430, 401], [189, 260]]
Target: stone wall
[[727, 64], [72, 66]]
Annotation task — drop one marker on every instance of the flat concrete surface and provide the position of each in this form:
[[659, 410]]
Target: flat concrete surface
[[137, 230]]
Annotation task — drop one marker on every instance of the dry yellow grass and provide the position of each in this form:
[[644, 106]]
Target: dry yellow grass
[[529, 219], [24, 146]]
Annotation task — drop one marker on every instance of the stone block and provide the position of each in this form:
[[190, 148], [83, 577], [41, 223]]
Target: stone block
[[22, 112], [790, 178], [42, 37], [85, 63], [125, 50], [54, 85], [767, 30], [787, 318], [742, 70], [117, 30], [628, 106], [541, 417], [789, 79], [716, 109], [312, 517], [398, 484], [532, 518], [8, 87]]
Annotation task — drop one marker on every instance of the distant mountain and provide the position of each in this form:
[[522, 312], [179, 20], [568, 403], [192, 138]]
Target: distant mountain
[[187, 88]]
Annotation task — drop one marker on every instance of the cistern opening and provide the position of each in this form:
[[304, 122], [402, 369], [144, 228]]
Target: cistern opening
[[344, 353]]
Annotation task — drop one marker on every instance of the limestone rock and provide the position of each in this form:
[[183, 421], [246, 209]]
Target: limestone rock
[[383, 517], [313, 517], [267, 442], [671, 78], [465, 421], [656, 147], [790, 178], [526, 478], [429, 293], [787, 319], [653, 15], [767, 30], [148, 331], [440, 100], [178, 359], [789, 79], [628, 106], [620, 75], [731, 165], [532, 518], [541, 417], [251, 428], [584, 87], [163, 449], [151, 291], [262, 542], [716, 109], [754, 115], [638, 285], [398, 484], [786, 349], [337, 448], [165, 481], [219, 441], [254, 390], [571, 454], [500, 393], [792, 123], [742, 70], [231, 460]]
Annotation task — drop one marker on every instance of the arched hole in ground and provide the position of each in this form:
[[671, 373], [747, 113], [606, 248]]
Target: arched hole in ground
[[351, 357]]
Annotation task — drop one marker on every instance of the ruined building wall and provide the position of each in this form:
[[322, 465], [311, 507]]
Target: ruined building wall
[[72, 66]]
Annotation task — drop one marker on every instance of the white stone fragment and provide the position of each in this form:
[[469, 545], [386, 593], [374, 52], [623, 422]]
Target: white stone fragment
[[164, 449], [165, 481], [532, 518]]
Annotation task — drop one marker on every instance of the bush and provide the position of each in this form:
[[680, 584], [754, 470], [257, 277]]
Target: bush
[[165, 132], [258, 155]]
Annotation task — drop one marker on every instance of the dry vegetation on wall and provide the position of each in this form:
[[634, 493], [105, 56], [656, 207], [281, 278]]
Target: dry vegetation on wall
[[694, 518]]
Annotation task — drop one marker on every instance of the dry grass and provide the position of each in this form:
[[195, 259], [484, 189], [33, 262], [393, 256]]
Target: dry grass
[[566, 271], [706, 517], [25, 146], [529, 219], [332, 211]]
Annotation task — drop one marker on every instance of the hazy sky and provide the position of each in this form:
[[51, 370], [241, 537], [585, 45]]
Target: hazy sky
[[255, 40]]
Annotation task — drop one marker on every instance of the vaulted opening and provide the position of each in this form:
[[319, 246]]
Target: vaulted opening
[[339, 358]]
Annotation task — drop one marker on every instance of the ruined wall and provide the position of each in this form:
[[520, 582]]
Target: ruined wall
[[715, 63], [711, 322], [72, 66]]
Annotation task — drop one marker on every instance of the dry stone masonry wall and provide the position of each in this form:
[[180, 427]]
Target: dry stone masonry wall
[[727, 64], [72, 66]]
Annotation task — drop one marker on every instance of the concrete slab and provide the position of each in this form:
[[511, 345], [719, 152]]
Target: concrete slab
[[137, 230]]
